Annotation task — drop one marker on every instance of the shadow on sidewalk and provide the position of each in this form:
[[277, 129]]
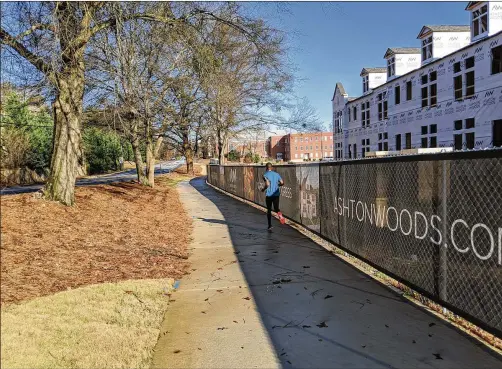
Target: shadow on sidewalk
[[321, 312]]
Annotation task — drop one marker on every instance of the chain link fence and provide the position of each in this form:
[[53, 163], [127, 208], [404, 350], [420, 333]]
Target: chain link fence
[[433, 222]]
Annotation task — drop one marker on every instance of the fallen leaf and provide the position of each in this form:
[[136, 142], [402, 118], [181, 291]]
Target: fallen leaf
[[322, 325], [246, 298], [207, 299], [432, 324], [305, 326], [177, 351], [386, 326], [306, 267], [363, 346], [328, 297], [283, 354], [438, 356], [235, 321], [286, 280], [222, 328], [203, 312]]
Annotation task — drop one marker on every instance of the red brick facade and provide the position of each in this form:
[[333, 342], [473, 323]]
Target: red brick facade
[[300, 146], [259, 147]]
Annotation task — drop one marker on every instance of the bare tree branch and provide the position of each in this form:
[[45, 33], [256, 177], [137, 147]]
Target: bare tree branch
[[36, 61]]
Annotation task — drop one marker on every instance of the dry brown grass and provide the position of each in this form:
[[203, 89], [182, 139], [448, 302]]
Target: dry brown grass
[[115, 232], [110, 325]]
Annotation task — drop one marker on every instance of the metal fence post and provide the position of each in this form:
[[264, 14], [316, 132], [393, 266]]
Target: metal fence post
[[344, 195], [443, 267], [319, 197]]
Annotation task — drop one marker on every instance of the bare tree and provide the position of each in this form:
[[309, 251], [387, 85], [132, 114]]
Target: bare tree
[[250, 87], [54, 36], [133, 78]]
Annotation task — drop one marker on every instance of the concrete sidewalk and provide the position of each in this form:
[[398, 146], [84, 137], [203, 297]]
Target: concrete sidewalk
[[259, 299]]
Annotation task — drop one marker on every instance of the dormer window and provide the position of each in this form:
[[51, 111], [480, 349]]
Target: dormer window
[[365, 84], [427, 48], [479, 21], [391, 67]]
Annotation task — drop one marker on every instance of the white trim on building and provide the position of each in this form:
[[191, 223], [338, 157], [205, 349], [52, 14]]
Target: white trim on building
[[453, 100]]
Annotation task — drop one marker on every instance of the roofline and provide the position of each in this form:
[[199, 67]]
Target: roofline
[[460, 25], [312, 133], [473, 4], [334, 92], [361, 74], [389, 51], [428, 65]]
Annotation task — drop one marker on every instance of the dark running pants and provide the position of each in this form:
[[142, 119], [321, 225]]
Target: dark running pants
[[269, 200]]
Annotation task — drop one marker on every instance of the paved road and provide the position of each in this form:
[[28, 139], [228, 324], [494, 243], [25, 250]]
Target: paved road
[[128, 175], [271, 300]]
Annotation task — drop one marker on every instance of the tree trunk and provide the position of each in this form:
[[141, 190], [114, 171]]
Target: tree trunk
[[189, 158], [196, 149], [188, 152], [224, 141], [73, 32], [67, 152], [138, 159], [150, 164], [220, 147], [152, 153], [205, 148]]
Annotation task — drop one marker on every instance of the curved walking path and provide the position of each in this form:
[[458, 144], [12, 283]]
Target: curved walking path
[[267, 300]]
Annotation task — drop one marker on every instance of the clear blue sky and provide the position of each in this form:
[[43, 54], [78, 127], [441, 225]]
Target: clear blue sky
[[332, 42]]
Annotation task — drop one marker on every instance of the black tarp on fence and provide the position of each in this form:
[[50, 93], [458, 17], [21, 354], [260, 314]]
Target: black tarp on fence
[[432, 221]]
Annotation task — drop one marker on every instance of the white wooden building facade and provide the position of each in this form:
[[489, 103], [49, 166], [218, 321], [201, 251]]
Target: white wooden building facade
[[447, 93]]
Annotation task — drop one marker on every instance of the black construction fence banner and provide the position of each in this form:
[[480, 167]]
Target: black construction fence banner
[[433, 222], [290, 199]]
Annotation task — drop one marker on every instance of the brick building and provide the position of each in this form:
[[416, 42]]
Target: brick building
[[301, 146], [243, 146]]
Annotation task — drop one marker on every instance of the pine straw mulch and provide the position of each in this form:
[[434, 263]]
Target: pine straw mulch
[[114, 232]]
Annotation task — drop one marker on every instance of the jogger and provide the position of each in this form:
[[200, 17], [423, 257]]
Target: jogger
[[272, 182], [271, 200]]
